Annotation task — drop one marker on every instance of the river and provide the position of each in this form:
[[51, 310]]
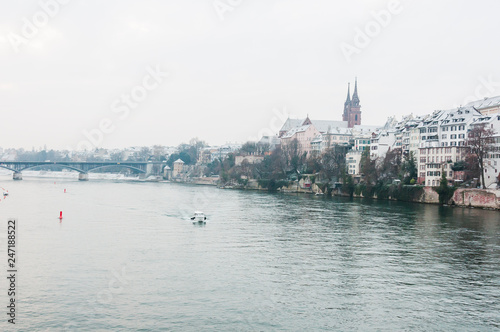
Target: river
[[127, 257]]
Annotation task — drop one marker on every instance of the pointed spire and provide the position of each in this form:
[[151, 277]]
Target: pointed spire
[[355, 98], [348, 100]]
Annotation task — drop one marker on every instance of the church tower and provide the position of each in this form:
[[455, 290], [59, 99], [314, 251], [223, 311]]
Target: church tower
[[352, 108]]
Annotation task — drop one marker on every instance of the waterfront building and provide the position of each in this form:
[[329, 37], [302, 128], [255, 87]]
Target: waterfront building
[[381, 142], [435, 160], [442, 143], [205, 155], [303, 135], [167, 172], [361, 141], [353, 160], [492, 161], [178, 168], [333, 136]]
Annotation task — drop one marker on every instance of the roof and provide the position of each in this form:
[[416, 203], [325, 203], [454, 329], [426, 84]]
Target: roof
[[324, 125], [485, 103], [291, 123], [295, 130], [340, 131], [179, 161]]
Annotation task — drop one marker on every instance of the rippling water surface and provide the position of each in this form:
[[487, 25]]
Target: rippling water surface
[[127, 257]]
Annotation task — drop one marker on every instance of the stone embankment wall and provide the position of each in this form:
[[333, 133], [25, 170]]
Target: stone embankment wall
[[430, 196], [481, 198]]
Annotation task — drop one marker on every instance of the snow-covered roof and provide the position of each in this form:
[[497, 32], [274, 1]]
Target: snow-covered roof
[[291, 123], [324, 125], [340, 131], [485, 103], [295, 130]]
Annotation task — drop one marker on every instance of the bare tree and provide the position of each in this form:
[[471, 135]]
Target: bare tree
[[333, 162], [480, 143], [294, 156]]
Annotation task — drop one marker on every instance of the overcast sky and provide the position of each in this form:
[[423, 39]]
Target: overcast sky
[[234, 67]]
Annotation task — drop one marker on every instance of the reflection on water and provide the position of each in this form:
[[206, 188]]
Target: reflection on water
[[128, 256]]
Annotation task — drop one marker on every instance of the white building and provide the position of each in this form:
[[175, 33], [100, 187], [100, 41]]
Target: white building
[[492, 162], [442, 143]]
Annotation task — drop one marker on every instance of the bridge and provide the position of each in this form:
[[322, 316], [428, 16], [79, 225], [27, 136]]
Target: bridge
[[145, 167]]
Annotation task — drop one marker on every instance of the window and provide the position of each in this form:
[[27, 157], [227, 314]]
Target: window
[[443, 136]]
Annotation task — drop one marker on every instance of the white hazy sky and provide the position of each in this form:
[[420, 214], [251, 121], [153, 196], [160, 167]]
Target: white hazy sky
[[227, 76]]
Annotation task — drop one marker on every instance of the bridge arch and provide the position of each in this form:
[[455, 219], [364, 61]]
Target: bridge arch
[[56, 164], [118, 165], [10, 169]]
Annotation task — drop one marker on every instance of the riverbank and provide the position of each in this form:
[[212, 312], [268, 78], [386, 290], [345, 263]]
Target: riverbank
[[472, 198], [463, 197]]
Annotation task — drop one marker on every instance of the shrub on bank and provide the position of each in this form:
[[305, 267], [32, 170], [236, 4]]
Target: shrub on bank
[[272, 185]]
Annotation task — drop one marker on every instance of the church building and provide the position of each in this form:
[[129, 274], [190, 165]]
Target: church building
[[352, 108]]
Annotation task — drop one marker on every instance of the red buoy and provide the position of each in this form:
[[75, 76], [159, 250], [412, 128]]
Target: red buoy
[[64, 190], [60, 215]]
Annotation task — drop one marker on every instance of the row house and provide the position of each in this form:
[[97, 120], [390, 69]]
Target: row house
[[433, 161], [492, 161], [353, 162], [442, 143], [361, 141], [381, 142]]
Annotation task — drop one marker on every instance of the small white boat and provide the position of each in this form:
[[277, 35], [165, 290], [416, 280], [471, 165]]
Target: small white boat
[[199, 217]]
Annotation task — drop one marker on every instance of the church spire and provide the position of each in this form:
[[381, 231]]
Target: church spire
[[348, 100], [355, 98]]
